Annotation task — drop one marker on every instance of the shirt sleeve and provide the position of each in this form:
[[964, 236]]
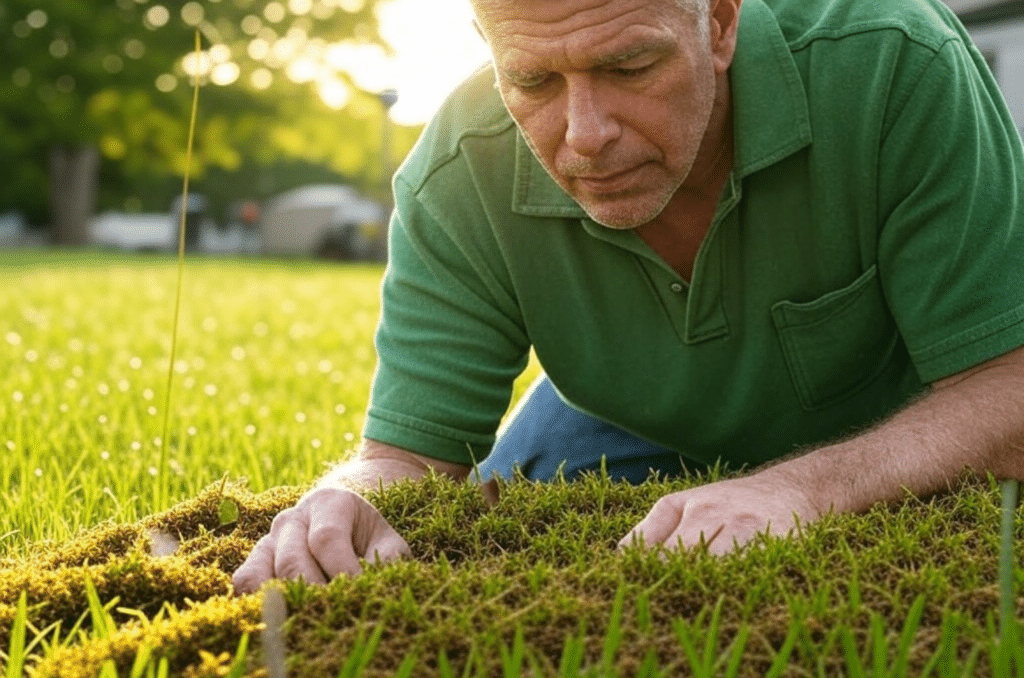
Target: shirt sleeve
[[951, 249], [450, 342]]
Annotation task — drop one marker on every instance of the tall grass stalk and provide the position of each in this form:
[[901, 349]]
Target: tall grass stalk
[[1009, 649], [162, 494]]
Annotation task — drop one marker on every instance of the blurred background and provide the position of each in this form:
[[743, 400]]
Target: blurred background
[[306, 109]]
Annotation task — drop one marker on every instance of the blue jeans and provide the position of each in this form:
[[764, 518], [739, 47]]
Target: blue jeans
[[544, 434]]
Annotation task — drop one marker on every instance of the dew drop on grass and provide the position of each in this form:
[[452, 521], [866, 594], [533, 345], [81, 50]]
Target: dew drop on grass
[[250, 430], [123, 386], [18, 396], [31, 356], [10, 445], [63, 407], [71, 383], [76, 345], [136, 445], [244, 399], [181, 366], [192, 430], [300, 417], [104, 455], [103, 388], [238, 353], [39, 473], [135, 363], [151, 410], [209, 324], [77, 371], [102, 419], [324, 366], [340, 409], [210, 390], [152, 471], [148, 394], [13, 338], [190, 382], [349, 437], [315, 443], [260, 329]]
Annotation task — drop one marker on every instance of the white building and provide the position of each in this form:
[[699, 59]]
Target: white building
[[997, 27]]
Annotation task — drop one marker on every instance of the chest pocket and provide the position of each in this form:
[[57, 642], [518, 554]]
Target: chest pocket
[[838, 343]]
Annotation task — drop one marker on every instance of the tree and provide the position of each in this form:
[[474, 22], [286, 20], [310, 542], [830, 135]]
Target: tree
[[85, 83]]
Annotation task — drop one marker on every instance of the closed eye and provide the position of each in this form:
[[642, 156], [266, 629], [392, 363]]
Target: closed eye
[[630, 72]]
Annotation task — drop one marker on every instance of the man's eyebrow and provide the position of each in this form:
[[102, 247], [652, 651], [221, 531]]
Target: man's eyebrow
[[622, 56], [523, 74], [612, 59]]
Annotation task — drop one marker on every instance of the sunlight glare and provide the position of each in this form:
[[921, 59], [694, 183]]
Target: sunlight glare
[[436, 48]]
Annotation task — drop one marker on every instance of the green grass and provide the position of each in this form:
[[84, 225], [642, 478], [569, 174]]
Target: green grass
[[274, 364], [271, 381]]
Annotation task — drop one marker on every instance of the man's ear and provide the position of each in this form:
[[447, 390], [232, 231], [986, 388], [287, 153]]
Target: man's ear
[[725, 21]]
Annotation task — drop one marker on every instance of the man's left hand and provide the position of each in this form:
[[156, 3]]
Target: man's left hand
[[726, 514]]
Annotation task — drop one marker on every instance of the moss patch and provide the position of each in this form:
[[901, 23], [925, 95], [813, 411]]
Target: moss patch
[[538, 571]]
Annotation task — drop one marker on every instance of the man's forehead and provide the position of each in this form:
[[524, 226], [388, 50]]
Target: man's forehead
[[555, 12]]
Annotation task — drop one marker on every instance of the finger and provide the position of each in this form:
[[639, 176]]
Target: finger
[[330, 538], [659, 523], [292, 559], [257, 568], [375, 539], [387, 546]]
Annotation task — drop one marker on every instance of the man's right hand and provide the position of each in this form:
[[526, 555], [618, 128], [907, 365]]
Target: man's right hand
[[324, 535]]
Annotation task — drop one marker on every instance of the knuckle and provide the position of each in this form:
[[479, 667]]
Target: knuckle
[[289, 568], [323, 537]]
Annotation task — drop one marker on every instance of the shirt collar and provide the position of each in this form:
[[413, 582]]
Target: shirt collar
[[770, 115]]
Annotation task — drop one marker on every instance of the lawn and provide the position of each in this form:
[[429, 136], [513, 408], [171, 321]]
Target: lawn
[[115, 555]]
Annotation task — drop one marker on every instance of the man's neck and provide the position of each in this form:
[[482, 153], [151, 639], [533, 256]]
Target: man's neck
[[677, 233]]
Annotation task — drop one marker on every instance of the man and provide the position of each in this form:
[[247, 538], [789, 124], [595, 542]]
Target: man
[[773, 233]]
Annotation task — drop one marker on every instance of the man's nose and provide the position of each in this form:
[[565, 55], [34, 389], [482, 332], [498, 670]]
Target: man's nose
[[589, 125]]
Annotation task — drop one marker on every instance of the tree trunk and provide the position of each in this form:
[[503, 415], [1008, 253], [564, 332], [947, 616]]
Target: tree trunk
[[74, 183]]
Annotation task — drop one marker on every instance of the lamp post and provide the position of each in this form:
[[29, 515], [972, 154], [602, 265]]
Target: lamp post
[[387, 98]]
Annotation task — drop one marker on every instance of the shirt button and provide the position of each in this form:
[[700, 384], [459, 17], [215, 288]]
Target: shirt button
[[676, 287]]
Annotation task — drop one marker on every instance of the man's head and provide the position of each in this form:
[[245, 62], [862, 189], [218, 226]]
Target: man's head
[[615, 97]]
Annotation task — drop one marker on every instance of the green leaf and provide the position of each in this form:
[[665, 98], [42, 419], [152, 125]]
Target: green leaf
[[228, 512]]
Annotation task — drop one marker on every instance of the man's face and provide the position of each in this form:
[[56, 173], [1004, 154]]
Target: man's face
[[613, 96]]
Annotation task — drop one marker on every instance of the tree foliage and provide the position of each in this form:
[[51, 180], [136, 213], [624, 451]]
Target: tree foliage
[[117, 75]]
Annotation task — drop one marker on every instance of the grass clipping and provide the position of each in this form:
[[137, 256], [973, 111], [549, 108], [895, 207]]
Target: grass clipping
[[533, 581]]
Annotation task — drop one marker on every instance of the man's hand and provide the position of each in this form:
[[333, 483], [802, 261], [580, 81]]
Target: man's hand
[[726, 514], [322, 536]]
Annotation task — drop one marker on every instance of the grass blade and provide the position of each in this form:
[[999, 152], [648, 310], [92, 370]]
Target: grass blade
[[899, 667], [854, 667], [237, 669], [16, 653], [613, 638]]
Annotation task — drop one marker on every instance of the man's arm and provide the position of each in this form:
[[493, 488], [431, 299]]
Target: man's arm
[[970, 421], [327, 532], [377, 463]]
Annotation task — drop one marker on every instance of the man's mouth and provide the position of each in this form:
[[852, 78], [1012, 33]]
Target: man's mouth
[[609, 183]]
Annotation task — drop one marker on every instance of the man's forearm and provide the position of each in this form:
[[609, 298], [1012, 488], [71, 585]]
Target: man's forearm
[[971, 421], [379, 464]]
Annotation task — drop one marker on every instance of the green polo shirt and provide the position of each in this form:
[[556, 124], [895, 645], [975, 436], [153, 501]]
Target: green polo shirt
[[869, 241]]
